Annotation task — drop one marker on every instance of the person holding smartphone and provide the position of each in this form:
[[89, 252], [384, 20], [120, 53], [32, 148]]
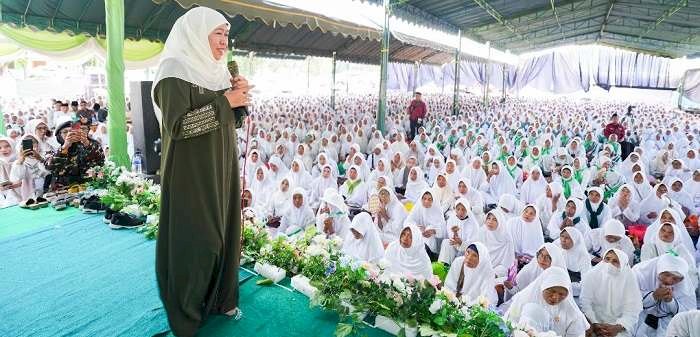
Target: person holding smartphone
[[77, 154], [29, 170]]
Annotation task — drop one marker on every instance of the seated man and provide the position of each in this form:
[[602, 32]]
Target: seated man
[[77, 154]]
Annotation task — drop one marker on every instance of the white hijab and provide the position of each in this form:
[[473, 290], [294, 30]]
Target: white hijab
[[533, 189], [187, 54], [499, 242], [566, 318], [412, 261], [527, 236], [370, 247], [502, 183], [577, 257], [413, 188], [476, 281], [532, 270], [430, 218], [610, 294]]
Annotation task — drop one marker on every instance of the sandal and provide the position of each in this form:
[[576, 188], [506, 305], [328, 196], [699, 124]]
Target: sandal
[[42, 202], [29, 203]]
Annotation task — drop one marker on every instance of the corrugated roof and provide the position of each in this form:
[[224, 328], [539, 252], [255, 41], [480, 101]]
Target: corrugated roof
[[663, 27]]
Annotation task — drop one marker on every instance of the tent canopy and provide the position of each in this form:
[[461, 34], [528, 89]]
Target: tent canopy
[[659, 27], [281, 26]]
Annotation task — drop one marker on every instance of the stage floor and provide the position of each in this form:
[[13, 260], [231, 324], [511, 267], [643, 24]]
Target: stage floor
[[67, 274]]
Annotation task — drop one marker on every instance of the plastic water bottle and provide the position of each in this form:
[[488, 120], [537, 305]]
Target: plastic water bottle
[[137, 163]]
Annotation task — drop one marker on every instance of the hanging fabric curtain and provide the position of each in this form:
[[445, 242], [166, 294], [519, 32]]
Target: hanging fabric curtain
[[75, 48]]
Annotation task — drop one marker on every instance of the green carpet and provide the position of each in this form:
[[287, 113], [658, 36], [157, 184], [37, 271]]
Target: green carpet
[[15, 220], [67, 274], [273, 311]]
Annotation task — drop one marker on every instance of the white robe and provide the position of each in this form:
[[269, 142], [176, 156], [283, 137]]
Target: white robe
[[479, 281], [369, 248], [412, 261], [566, 320], [610, 295]]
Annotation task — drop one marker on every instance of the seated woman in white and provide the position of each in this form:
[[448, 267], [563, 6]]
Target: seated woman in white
[[569, 217], [578, 261], [534, 187], [526, 231], [509, 205], [610, 296], [570, 187], [320, 184], [332, 217], [551, 202], [500, 182], [462, 228], [298, 176], [416, 184], [476, 175], [362, 242], [595, 211], [668, 239], [297, 216], [473, 196], [494, 235], [29, 171], [673, 216], [547, 256], [407, 255], [653, 204], [354, 189], [611, 236], [442, 193], [260, 187], [428, 217], [472, 275], [623, 207], [279, 200], [390, 216], [685, 324], [666, 291], [552, 291]]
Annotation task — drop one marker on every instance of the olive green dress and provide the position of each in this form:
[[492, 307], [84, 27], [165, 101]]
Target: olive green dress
[[198, 247]]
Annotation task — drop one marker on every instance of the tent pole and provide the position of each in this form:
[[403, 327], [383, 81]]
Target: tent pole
[[458, 52], [381, 111], [333, 83], [116, 119], [487, 71]]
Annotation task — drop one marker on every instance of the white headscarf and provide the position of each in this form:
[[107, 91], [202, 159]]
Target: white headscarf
[[370, 247], [412, 261], [640, 191], [413, 188], [431, 218], [610, 294], [527, 236], [499, 243], [532, 270], [533, 189], [476, 281], [684, 324], [502, 183], [566, 318], [577, 257], [187, 54]]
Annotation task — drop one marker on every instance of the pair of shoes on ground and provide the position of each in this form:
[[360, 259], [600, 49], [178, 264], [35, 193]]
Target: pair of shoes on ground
[[120, 220], [91, 204], [34, 204]]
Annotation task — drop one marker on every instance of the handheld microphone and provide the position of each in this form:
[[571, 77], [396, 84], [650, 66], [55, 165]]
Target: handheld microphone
[[233, 70]]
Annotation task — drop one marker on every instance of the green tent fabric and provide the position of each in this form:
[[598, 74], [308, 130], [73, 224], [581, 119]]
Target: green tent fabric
[[49, 43], [3, 131], [43, 40]]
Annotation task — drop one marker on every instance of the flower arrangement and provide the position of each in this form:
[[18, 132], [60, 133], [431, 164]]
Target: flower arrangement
[[334, 281]]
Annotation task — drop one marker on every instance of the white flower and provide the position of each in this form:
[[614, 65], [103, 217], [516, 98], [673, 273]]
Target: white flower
[[337, 241], [450, 295], [152, 219], [319, 239], [384, 278], [436, 306], [133, 209], [520, 333], [398, 284], [314, 250]]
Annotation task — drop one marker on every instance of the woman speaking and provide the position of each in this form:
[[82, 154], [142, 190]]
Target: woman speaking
[[198, 247]]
